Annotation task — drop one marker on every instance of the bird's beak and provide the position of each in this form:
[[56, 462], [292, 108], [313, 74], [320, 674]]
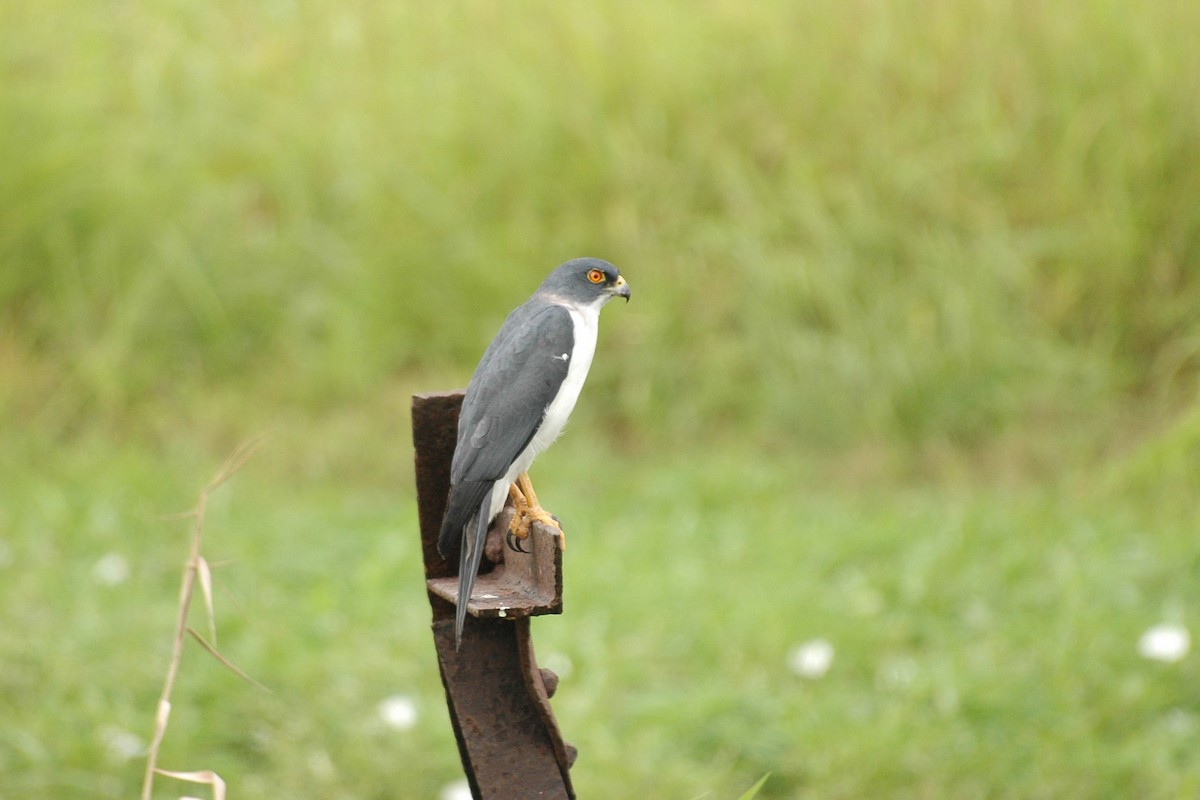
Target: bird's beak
[[620, 288]]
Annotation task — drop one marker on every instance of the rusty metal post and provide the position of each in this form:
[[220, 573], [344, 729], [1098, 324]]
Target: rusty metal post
[[499, 700]]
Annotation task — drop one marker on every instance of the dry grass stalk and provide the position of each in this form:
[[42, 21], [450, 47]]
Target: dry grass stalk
[[196, 570]]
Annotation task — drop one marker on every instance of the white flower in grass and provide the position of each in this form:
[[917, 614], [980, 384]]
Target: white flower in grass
[[811, 659], [559, 663], [398, 712], [121, 744], [1168, 642], [459, 790], [111, 570]]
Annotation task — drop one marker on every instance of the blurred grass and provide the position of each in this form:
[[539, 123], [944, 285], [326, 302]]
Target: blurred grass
[[985, 638], [961, 216], [916, 307]]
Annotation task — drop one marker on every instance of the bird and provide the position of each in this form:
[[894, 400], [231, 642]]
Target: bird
[[517, 403]]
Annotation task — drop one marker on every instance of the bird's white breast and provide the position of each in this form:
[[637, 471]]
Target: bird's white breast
[[586, 320]]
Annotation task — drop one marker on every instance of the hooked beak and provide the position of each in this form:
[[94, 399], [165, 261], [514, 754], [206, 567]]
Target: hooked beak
[[620, 288]]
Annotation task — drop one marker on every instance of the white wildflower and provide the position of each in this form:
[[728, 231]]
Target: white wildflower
[[398, 712], [1168, 642], [558, 663], [811, 659], [459, 790], [121, 744], [111, 570]]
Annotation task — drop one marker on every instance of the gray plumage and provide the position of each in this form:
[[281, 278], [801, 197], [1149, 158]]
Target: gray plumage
[[518, 401]]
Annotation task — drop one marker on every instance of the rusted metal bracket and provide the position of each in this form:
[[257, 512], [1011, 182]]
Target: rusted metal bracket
[[499, 700]]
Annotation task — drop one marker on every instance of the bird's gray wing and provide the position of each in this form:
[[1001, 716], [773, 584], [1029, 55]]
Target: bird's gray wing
[[517, 378]]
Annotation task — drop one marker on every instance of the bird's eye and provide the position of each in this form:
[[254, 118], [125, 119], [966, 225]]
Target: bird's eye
[[595, 276]]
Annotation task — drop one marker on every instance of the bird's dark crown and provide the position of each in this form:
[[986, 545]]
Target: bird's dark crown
[[582, 279]]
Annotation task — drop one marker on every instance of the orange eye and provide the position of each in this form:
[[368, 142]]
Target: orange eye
[[595, 276]]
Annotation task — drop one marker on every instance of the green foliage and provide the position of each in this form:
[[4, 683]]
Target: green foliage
[[985, 641], [894, 221]]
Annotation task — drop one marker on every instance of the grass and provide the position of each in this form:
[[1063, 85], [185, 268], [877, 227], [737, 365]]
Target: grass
[[910, 367], [196, 570], [985, 638], [964, 217]]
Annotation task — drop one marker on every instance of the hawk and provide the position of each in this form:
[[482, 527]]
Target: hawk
[[517, 403]]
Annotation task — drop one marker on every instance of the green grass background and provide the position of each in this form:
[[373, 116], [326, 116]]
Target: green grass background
[[911, 366]]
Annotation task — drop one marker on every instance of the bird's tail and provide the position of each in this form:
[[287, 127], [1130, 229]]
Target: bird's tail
[[468, 566]]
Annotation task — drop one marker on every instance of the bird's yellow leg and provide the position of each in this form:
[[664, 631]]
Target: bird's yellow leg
[[534, 512], [519, 525]]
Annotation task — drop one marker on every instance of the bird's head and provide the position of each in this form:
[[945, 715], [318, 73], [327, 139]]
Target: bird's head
[[586, 281]]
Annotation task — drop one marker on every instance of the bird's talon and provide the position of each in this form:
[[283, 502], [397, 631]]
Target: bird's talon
[[513, 540]]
